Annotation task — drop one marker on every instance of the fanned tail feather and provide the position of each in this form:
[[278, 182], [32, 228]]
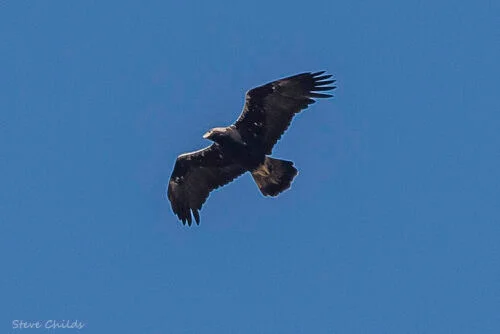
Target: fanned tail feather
[[274, 176]]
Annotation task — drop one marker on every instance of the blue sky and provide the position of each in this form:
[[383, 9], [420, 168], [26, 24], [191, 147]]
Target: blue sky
[[392, 225]]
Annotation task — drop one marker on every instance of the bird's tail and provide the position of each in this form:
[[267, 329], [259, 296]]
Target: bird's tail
[[274, 176]]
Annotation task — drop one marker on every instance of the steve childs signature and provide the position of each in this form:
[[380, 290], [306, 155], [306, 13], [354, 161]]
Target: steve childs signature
[[48, 324]]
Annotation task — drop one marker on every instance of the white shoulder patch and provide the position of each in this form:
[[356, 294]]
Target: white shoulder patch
[[235, 134]]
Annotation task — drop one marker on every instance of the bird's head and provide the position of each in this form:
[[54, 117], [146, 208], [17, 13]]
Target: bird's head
[[224, 136], [215, 134]]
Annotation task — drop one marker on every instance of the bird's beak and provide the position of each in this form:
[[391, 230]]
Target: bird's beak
[[206, 135]]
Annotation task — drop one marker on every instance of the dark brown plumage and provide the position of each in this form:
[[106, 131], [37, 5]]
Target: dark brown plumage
[[244, 146]]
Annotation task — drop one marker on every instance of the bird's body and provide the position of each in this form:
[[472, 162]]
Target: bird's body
[[245, 145], [236, 148]]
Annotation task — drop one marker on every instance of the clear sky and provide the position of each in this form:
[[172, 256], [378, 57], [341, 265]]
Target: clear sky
[[392, 225]]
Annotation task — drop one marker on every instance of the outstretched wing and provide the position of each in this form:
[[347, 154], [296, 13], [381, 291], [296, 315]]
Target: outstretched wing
[[270, 108], [194, 176]]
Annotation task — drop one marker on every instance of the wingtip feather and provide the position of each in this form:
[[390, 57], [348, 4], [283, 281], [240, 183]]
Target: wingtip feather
[[323, 77], [325, 82], [196, 216], [319, 95], [317, 73]]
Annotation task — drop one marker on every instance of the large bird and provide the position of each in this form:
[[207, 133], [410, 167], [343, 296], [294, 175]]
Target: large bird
[[245, 146]]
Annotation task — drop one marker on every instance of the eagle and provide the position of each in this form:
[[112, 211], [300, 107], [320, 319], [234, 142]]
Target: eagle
[[245, 146]]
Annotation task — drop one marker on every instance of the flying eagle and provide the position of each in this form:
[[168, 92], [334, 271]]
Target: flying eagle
[[245, 145]]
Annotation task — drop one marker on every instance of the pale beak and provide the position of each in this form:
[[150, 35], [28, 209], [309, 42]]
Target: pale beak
[[206, 135]]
